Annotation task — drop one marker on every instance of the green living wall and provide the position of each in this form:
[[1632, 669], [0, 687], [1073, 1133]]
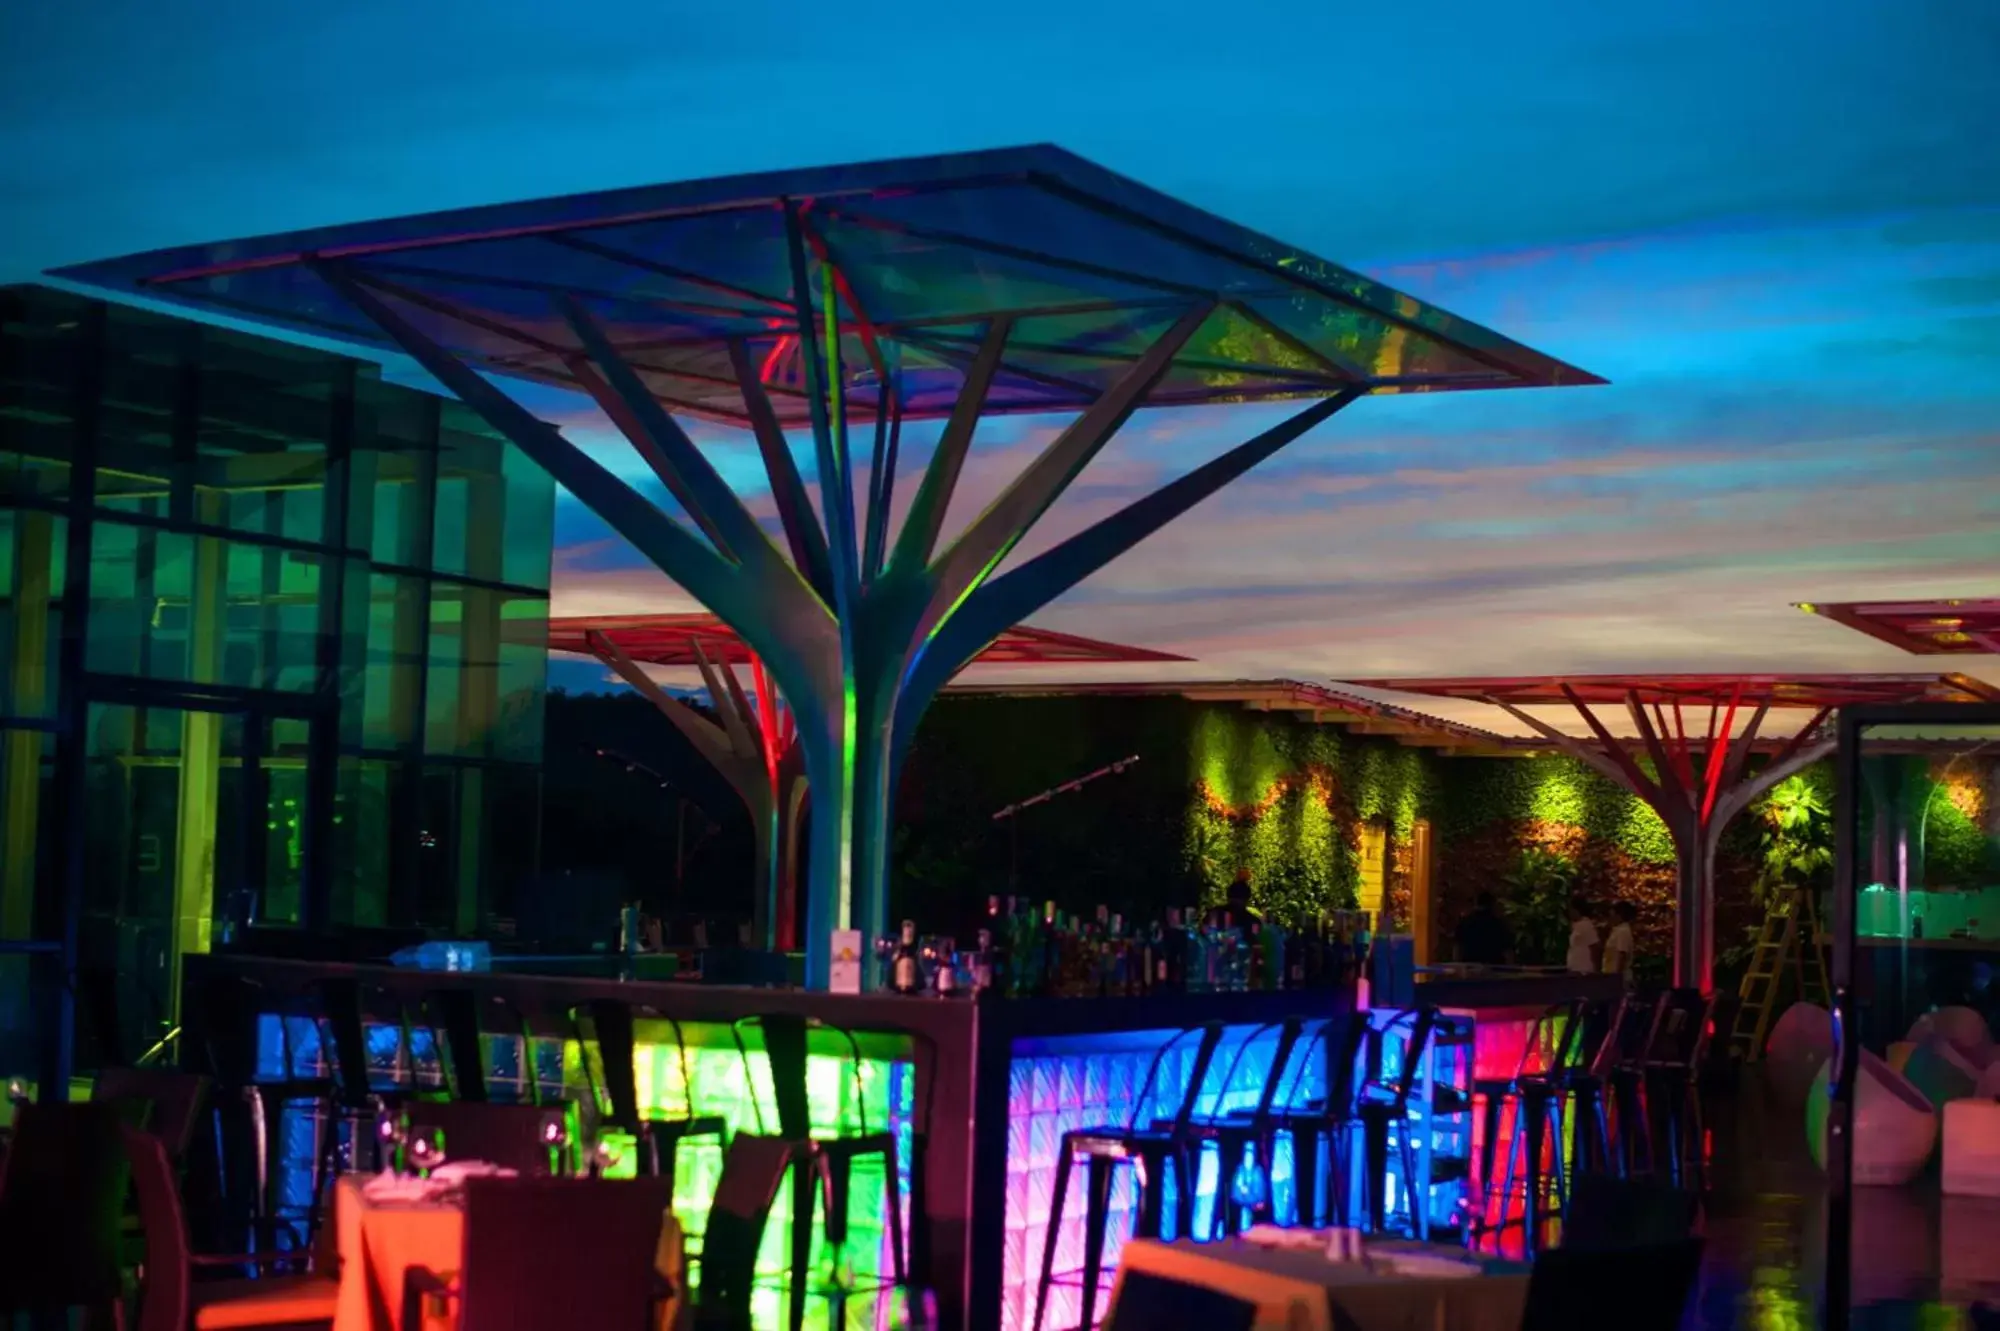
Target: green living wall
[[1217, 788]]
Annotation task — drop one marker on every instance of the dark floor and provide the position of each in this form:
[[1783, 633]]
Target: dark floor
[[1920, 1259]]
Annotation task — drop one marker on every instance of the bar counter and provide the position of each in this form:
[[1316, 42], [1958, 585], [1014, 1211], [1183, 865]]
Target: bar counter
[[979, 1092]]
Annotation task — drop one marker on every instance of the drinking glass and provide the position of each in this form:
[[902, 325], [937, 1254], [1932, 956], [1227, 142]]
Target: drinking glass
[[426, 1149], [555, 1136], [391, 1134]]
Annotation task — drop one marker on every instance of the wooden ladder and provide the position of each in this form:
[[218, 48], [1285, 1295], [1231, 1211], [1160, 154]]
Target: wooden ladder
[[1789, 936]]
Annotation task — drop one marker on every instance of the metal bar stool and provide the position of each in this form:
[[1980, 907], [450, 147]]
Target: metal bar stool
[[1587, 1084], [659, 1136], [229, 1011], [1147, 1149], [827, 1160], [1632, 1129], [1673, 1085], [1236, 1133], [1536, 1094], [1318, 1126], [1383, 1109]]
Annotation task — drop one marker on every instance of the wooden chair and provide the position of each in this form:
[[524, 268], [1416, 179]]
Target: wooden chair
[[548, 1253], [174, 1102], [531, 1139], [62, 1199], [171, 1299]]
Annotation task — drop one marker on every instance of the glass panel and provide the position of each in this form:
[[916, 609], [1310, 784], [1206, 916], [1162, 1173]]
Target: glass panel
[[142, 385], [266, 417], [166, 847], [437, 858], [284, 799], [472, 501], [1926, 877], [28, 831], [39, 332], [523, 671], [488, 662], [366, 830], [32, 566], [393, 671], [169, 605], [530, 519], [391, 512], [445, 679], [1928, 913]]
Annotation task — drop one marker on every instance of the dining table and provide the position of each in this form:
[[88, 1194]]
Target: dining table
[[1399, 1286], [384, 1228]]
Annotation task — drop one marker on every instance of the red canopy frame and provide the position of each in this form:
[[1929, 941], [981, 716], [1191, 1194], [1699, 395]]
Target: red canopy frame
[[1940, 627], [1698, 782]]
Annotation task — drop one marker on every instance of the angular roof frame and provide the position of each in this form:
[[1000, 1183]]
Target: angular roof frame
[[1088, 266], [956, 288]]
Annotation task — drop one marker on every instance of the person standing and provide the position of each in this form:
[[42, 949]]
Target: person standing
[[1236, 912], [1483, 937], [1619, 946], [1583, 939]]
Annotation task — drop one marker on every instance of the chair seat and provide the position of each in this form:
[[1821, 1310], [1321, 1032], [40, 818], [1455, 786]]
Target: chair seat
[[234, 1305]]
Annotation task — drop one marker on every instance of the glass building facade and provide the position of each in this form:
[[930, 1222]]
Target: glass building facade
[[272, 656]]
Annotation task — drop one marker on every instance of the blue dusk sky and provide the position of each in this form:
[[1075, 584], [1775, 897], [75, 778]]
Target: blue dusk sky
[[1774, 226]]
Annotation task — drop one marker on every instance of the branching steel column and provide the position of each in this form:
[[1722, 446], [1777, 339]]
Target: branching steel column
[[858, 652], [1694, 812]]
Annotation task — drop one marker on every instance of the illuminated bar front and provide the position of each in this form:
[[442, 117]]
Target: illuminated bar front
[[977, 1094]]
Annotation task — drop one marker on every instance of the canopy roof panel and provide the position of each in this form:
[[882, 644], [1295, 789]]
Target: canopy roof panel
[[1945, 627], [1778, 690], [924, 252], [668, 640]]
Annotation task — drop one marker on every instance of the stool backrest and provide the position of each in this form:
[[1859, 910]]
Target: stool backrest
[[786, 1049], [1288, 1031], [227, 1009], [612, 1023], [176, 1101], [1345, 1040], [1206, 1039], [1420, 1022], [453, 1016], [1557, 1031], [343, 1037], [752, 1168], [62, 1195], [1679, 1033], [1606, 1055], [543, 1253]]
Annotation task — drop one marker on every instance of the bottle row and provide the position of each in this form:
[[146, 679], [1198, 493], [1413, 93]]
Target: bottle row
[[1024, 952]]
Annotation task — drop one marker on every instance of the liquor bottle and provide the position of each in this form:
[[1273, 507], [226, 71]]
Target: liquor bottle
[[993, 945], [985, 962], [1051, 952], [906, 971]]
